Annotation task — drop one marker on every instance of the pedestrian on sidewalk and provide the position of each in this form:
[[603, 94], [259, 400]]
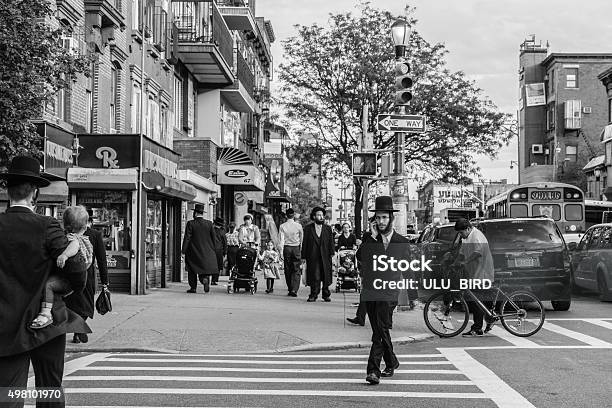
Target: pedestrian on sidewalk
[[317, 253], [269, 259], [346, 239], [199, 244], [84, 303], [249, 233], [231, 238], [361, 313], [291, 236], [29, 249], [381, 302], [221, 248]]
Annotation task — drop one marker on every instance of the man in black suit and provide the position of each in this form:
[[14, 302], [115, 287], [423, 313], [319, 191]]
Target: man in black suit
[[29, 248], [317, 252], [199, 245], [380, 301]]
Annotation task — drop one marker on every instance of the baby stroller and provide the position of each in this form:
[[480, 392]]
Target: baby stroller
[[347, 276], [242, 274]]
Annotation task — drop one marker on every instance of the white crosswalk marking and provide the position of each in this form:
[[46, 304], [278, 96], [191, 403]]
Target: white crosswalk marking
[[590, 340], [515, 340]]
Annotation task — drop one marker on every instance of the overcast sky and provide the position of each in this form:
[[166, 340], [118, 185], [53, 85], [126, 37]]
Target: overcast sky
[[482, 37]]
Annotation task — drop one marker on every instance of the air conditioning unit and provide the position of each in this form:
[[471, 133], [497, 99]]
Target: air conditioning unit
[[537, 149], [586, 109]]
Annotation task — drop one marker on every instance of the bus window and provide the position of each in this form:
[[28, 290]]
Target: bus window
[[551, 210], [573, 212], [518, 210]]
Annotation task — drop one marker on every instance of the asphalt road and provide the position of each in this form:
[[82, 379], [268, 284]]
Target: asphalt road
[[567, 364]]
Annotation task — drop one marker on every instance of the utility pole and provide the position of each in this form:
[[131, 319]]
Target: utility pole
[[362, 145]]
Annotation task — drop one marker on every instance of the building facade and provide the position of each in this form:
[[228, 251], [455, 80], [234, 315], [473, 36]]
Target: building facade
[[562, 108], [606, 137]]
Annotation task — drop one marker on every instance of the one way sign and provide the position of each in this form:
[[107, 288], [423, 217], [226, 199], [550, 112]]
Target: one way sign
[[401, 123]]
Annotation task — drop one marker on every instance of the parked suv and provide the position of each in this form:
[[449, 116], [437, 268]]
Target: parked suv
[[592, 260], [530, 253]]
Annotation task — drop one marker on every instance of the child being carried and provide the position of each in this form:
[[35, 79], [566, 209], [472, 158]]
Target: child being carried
[[75, 224]]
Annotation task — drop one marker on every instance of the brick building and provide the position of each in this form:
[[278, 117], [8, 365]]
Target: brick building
[[562, 109]]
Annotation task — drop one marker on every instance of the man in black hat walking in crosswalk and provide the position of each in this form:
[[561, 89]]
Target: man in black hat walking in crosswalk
[[379, 298]]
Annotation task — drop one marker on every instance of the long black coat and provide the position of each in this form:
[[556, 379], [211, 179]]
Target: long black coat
[[83, 302], [199, 244], [29, 247], [311, 255]]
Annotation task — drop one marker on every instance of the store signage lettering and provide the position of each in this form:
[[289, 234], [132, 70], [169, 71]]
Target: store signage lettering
[[450, 196], [108, 155], [275, 193], [236, 173], [154, 162], [58, 152], [542, 195]]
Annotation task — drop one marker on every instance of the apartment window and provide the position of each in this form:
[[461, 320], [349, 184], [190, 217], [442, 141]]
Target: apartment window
[[551, 115], [571, 77], [551, 82], [571, 153], [178, 103], [163, 134], [136, 14], [610, 110], [152, 127], [89, 111], [135, 111], [113, 98]]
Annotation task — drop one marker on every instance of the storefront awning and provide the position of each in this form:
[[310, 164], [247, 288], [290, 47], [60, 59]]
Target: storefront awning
[[199, 182], [599, 161], [108, 179], [56, 192], [168, 186]]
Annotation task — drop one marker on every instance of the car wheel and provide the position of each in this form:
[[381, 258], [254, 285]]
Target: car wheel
[[561, 305], [602, 288]]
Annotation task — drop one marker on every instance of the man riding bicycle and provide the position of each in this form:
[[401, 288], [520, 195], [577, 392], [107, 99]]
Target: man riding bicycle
[[474, 256]]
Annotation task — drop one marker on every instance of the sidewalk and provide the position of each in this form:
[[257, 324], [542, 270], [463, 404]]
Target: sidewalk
[[172, 320]]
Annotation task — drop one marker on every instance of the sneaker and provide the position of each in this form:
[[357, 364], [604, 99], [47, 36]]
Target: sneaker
[[489, 327], [473, 333]]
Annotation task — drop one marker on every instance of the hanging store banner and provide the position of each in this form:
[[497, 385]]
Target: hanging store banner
[[535, 94]]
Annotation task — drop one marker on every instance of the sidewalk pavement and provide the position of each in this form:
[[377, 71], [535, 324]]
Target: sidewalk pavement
[[171, 320]]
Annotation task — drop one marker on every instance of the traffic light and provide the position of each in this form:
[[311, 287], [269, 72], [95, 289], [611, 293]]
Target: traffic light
[[403, 83], [364, 164]]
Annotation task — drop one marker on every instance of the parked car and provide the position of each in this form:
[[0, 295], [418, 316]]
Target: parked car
[[592, 261], [435, 241], [530, 253]]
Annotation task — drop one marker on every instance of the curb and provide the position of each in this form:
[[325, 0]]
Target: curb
[[73, 349], [357, 344]]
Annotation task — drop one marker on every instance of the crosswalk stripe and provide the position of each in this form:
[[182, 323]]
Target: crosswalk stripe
[[600, 322], [515, 340], [259, 380], [494, 387], [291, 392], [275, 356], [592, 341], [259, 370], [261, 362]]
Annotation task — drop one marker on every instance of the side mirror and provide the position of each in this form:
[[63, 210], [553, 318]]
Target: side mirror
[[572, 246]]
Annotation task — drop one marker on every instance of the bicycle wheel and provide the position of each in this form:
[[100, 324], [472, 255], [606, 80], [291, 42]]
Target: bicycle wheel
[[522, 314], [446, 314]]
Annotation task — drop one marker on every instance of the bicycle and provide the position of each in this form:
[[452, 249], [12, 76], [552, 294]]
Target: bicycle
[[447, 313]]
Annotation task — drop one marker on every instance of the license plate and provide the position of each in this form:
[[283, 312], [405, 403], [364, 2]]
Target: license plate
[[526, 262]]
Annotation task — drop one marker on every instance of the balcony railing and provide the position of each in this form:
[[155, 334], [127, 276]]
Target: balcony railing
[[201, 23], [243, 73]]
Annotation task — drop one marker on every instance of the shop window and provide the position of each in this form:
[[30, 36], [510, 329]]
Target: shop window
[[111, 216], [153, 238]]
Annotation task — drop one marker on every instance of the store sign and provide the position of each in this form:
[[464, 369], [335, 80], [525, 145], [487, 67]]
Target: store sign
[[109, 151], [108, 155], [451, 197], [535, 94], [57, 148], [58, 153], [241, 175], [240, 198], [154, 162], [80, 177]]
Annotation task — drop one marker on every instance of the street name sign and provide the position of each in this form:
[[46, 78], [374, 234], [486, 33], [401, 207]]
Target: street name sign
[[401, 123]]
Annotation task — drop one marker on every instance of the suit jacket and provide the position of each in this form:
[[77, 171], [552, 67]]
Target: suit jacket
[[221, 240], [83, 302], [398, 248], [324, 255], [199, 244], [29, 247]]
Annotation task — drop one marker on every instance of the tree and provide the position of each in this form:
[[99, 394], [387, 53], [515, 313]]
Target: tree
[[303, 197], [330, 72], [34, 65]]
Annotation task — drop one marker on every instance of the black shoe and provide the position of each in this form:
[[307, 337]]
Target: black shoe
[[75, 338], [292, 294], [289, 293], [388, 371], [472, 333], [206, 286], [373, 379], [191, 291], [356, 320], [411, 305], [327, 299], [490, 325], [311, 299], [267, 290], [213, 283], [271, 291], [83, 337]]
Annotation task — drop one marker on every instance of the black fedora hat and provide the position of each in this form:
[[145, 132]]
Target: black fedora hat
[[315, 210], [383, 203], [24, 169], [199, 208]]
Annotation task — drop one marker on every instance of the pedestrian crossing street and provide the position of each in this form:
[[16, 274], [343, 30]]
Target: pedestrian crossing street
[[151, 379]]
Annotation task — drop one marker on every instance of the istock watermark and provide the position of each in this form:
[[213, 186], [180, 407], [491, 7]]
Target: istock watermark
[[384, 263]]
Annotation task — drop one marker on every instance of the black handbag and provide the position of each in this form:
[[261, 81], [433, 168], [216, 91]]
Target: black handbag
[[103, 303]]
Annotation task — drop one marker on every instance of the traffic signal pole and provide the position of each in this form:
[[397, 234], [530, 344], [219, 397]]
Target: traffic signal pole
[[365, 187]]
